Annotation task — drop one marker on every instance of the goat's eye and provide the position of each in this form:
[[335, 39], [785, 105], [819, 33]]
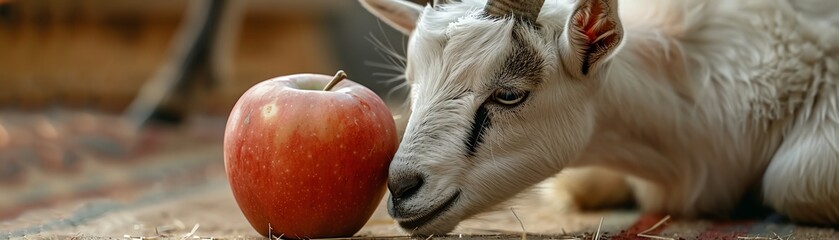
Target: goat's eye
[[509, 97]]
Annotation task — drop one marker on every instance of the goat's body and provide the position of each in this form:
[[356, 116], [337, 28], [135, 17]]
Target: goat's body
[[695, 104], [704, 99]]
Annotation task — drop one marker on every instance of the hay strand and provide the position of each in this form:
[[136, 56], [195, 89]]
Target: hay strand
[[599, 226], [654, 227], [523, 231], [194, 228]]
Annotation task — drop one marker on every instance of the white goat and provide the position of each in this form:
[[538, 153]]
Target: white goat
[[692, 106]]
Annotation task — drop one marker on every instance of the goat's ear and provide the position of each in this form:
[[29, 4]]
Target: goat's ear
[[399, 14], [593, 33]]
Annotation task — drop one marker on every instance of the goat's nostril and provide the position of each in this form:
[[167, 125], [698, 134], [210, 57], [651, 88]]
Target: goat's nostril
[[405, 187]]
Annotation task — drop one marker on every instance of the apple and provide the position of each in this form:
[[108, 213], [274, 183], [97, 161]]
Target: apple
[[307, 155]]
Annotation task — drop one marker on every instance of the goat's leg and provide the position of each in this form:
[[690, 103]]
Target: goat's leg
[[589, 188], [802, 181], [198, 61]]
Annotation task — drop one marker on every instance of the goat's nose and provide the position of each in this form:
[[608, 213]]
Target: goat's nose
[[404, 186]]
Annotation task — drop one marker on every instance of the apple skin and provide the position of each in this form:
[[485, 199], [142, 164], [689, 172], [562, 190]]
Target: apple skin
[[311, 163]]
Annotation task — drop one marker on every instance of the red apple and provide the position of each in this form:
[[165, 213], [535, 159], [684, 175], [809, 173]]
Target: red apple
[[309, 163]]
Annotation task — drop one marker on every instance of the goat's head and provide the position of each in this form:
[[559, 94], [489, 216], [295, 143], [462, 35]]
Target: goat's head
[[501, 99]]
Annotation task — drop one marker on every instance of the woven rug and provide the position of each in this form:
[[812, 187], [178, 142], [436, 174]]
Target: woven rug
[[81, 175], [52, 163]]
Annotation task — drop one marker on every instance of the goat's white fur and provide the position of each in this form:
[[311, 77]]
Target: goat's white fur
[[702, 101]]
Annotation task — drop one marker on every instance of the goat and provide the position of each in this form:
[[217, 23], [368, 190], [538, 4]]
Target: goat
[[690, 105]]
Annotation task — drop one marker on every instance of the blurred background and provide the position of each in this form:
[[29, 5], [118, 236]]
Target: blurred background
[[126, 100], [97, 54]]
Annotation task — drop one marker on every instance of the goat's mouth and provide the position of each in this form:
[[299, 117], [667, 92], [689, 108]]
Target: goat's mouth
[[417, 222]]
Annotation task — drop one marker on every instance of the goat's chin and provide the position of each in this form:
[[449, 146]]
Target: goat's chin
[[441, 225], [442, 219]]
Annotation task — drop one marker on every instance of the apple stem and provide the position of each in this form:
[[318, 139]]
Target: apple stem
[[340, 75]]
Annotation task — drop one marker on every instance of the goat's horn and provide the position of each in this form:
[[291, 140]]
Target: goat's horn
[[526, 10]]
